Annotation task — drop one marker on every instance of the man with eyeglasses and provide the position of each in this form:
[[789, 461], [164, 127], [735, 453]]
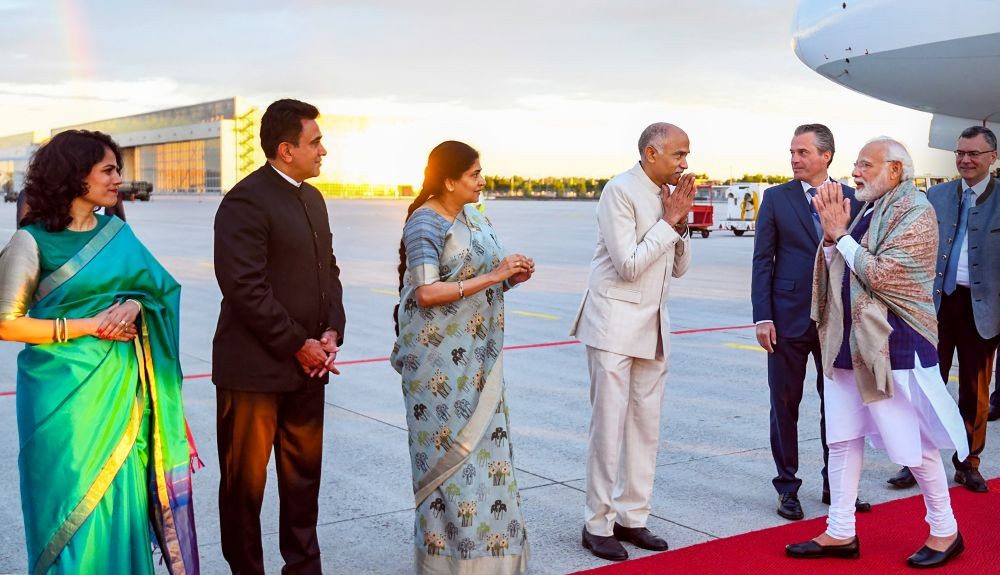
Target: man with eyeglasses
[[966, 290], [873, 305]]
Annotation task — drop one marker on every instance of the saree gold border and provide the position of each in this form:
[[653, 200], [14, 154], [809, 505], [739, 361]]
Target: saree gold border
[[447, 565], [97, 489], [172, 545], [467, 438], [80, 259]]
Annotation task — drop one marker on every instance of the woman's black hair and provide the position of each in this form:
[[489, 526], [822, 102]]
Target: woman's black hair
[[447, 161], [57, 172]]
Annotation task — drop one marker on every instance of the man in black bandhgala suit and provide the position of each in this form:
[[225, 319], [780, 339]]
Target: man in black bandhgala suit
[[280, 327]]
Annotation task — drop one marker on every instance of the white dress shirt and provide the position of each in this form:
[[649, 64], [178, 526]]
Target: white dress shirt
[[806, 186], [962, 272], [287, 177]]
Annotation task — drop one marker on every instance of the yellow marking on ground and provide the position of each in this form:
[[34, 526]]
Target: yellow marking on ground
[[533, 314], [384, 291], [204, 264], [953, 378], [744, 346]]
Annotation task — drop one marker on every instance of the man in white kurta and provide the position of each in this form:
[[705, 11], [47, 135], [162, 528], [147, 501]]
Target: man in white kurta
[[642, 243], [878, 332]]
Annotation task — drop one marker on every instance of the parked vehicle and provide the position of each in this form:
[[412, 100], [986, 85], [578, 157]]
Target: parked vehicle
[[136, 190], [702, 213], [9, 195], [925, 182], [742, 203]]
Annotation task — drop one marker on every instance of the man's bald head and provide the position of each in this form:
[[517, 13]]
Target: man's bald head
[[656, 134]]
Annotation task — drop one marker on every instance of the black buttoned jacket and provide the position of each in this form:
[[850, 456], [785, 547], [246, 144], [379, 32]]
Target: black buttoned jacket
[[279, 279]]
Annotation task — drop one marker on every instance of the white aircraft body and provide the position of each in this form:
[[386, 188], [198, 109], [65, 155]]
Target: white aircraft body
[[930, 55]]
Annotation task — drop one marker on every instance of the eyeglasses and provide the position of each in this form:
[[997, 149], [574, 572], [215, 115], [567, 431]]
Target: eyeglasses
[[972, 155], [865, 166]]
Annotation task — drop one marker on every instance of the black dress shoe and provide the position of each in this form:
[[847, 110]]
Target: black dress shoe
[[789, 506], [994, 413], [812, 550], [972, 480], [927, 557], [860, 505], [604, 547], [640, 537], [903, 479]]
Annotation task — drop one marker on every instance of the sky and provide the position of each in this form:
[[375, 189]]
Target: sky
[[539, 87]]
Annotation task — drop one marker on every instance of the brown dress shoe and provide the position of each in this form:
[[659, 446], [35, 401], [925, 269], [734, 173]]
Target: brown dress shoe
[[640, 537], [604, 547], [972, 480]]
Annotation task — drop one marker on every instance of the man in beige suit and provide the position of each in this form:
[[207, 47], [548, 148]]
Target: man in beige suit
[[642, 242]]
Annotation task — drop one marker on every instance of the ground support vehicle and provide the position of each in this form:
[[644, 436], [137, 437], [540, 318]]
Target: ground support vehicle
[[135, 190], [742, 204], [702, 213]]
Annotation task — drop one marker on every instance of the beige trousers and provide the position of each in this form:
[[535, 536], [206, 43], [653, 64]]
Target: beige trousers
[[626, 394]]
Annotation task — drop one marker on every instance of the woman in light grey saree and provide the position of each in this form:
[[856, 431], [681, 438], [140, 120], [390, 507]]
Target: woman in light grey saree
[[453, 274]]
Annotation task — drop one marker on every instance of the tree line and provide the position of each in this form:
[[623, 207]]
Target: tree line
[[576, 187]]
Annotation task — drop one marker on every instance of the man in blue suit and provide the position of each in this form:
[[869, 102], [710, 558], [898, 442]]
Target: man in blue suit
[[788, 234]]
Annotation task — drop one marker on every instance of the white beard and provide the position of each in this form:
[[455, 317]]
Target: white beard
[[876, 188]]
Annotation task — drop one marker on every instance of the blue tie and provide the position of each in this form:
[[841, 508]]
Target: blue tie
[[951, 272], [815, 214]]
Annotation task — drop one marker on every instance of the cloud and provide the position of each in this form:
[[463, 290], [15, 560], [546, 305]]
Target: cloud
[[543, 87]]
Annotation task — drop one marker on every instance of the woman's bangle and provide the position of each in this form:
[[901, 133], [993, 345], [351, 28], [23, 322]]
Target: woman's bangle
[[61, 331], [461, 289]]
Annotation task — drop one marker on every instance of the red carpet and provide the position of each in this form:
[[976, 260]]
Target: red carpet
[[889, 534]]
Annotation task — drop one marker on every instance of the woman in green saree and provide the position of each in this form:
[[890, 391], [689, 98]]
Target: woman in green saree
[[453, 274], [105, 456]]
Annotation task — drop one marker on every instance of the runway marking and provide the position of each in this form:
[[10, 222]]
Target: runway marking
[[744, 346], [384, 292], [534, 314], [705, 329], [546, 344], [506, 348]]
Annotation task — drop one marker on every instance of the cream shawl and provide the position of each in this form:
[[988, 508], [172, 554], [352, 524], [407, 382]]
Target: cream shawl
[[893, 271]]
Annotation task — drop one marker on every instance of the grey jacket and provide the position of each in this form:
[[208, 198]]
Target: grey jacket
[[984, 249]]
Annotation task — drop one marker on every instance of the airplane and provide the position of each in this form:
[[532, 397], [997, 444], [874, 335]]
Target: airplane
[[928, 55]]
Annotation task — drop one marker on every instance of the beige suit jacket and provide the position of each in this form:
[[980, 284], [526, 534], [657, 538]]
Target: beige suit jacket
[[624, 309]]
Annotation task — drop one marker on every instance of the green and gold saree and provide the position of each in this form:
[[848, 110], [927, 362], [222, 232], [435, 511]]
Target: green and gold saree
[[105, 456]]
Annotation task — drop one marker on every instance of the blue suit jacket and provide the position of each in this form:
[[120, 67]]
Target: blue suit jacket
[[784, 252]]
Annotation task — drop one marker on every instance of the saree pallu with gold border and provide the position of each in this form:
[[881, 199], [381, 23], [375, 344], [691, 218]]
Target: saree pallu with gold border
[[468, 508], [105, 456]]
